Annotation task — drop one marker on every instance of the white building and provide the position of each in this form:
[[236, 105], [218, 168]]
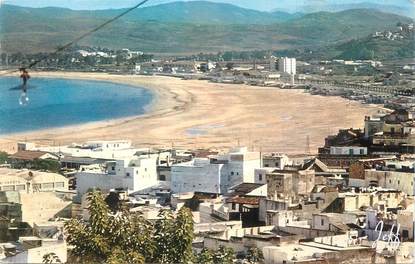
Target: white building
[[215, 174], [115, 149], [287, 65], [134, 174], [31, 181], [198, 175], [348, 151]]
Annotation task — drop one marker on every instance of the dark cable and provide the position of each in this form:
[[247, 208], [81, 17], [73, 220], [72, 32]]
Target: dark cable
[[80, 37]]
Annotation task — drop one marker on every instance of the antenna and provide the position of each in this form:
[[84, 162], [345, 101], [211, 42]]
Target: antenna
[[307, 145]]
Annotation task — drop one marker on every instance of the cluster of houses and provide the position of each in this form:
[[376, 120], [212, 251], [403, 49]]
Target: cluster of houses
[[403, 31], [353, 202]]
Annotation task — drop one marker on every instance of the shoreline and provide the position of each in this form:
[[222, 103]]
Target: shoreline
[[148, 108], [221, 114]]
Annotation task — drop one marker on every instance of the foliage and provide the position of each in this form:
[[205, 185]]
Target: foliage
[[46, 165], [173, 237], [224, 255], [129, 238], [43, 30], [113, 201], [205, 256], [254, 255], [51, 258], [39, 164], [3, 157]]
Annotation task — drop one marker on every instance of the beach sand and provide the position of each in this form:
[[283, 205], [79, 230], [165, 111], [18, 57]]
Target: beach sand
[[198, 114]]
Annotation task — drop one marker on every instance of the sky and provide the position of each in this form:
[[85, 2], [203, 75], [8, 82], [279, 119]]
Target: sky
[[263, 5]]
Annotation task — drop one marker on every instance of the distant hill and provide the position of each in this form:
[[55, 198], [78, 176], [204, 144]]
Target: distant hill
[[187, 28], [403, 8], [365, 48], [340, 26], [203, 12], [380, 49], [195, 12]]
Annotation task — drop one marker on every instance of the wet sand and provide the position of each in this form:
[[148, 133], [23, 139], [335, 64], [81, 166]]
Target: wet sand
[[198, 114]]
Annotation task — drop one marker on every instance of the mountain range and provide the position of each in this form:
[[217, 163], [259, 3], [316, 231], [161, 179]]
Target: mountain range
[[404, 9], [188, 27]]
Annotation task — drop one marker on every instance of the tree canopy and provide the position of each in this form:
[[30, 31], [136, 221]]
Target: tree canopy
[[123, 237], [3, 157]]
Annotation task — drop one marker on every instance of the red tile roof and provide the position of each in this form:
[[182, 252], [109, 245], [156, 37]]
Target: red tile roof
[[28, 155]]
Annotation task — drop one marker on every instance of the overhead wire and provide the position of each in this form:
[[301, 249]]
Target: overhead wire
[[64, 47]]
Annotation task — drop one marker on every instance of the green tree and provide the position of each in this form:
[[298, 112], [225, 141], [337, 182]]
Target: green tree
[[205, 256], [46, 165], [51, 258], [3, 157], [254, 256], [183, 236], [107, 237], [122, 237], [173, 237], [224, 256]]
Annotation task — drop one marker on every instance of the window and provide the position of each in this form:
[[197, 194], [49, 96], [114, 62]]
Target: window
[[233, 206], [362, 151], [127, 174], [20, 187], [277, 164], [113, 168], [37, 186], [162, 177], [260, 177], [232, 173], [47, 185], [405, 233], [390, 181], [59, 184], [8, 188], [322, 222], [399, 182], [351, 152]]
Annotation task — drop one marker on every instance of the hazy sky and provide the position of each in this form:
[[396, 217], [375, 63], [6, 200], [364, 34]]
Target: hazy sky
[[254, 4]]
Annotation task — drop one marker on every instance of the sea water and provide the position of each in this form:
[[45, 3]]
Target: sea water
[[61, 102]]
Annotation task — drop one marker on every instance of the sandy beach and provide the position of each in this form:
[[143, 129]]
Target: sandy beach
[[198, 114]]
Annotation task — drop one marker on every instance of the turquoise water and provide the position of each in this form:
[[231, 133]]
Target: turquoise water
[[61, 102]]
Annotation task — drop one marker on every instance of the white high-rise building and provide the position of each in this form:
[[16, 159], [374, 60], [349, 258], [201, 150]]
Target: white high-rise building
[[287, 65]]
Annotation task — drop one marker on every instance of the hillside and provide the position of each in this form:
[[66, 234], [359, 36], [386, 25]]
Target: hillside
[[195, 12], [341, 26], [365, 48], [170, 28], [407, 10], [380, 49]]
